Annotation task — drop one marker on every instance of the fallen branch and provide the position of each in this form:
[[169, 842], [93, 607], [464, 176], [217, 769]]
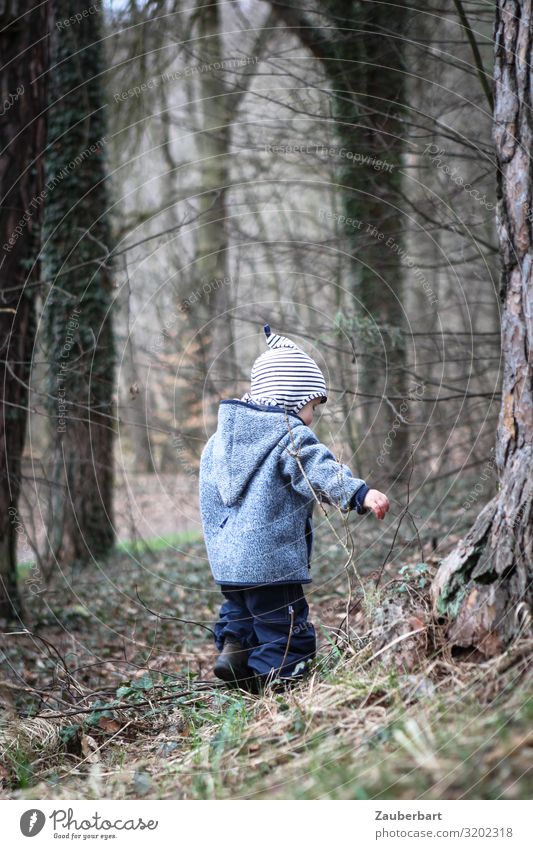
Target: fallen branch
[[123, 705]]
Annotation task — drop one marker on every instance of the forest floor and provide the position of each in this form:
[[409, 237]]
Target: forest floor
[[103, 697]]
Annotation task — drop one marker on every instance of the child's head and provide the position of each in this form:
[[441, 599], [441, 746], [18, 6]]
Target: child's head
[[288, 377]]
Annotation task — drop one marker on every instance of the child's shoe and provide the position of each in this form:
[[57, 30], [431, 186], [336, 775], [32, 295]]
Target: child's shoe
[[231, 664]]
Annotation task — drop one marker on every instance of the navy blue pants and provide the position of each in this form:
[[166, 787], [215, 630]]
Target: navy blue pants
[[259, 618]]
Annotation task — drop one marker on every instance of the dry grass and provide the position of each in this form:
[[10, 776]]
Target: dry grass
[[370, 722], [444, 732]]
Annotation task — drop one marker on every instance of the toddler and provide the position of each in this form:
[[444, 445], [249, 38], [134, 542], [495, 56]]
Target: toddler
[[260, 475]]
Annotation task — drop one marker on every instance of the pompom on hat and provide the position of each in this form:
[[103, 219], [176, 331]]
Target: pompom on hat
[[285, 376]]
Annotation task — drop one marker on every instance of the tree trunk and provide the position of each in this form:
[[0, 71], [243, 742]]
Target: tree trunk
[[484, 587], [24, 51], [369, 98], [211, 352], [78, 317], [362, 54], [212, 238], [135, 406]]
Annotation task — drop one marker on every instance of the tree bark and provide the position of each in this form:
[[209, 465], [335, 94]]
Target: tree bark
[[24, 51], [210, 368], [483, 589], [362, 54], [210, 326], [78, 311]]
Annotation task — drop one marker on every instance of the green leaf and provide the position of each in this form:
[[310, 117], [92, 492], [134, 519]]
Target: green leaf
[[144, 683], [124, 691], [68, 732], [79, 610]]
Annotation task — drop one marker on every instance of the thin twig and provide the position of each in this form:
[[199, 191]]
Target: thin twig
[[402, 515], [49, 645], [290, 638], [349, 551], [394, 642], [482, 74], [173, 618]]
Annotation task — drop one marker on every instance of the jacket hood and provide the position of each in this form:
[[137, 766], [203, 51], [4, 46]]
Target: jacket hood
[[245, 435]]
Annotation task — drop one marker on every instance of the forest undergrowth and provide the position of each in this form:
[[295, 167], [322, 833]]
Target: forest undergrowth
[[109, 693]]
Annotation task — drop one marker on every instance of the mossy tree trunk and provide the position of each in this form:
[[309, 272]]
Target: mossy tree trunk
[[78, 309], [24, 51], [368, 123], [360, 45], [483, 589]]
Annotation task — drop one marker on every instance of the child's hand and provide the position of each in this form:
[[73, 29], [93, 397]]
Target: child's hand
[[377, 502]]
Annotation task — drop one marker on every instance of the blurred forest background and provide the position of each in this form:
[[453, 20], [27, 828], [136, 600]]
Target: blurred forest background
[[250, 181], [185, 173]]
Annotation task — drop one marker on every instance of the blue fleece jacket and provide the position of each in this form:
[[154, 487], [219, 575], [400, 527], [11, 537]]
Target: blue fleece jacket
[[257, 504]]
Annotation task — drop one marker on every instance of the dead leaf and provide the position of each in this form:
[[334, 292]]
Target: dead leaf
[[88, 749], [107, 723]]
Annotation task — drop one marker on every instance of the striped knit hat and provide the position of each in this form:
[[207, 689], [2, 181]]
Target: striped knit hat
[[285, 376]]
